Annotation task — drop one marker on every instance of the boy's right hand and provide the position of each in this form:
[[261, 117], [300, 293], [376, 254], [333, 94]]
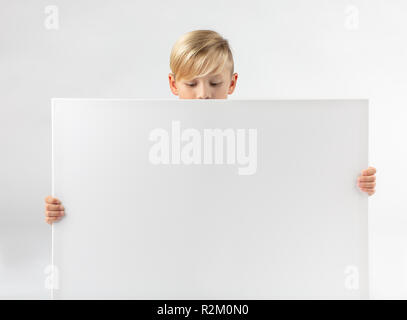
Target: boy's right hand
[[54, 210]]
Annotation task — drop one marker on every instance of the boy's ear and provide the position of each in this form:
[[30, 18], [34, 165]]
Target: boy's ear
[[232, 84], [173, 85]]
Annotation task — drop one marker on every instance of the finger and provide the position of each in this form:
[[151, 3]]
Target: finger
[[52, 207], [367, 185], [368, 190], [52, 219], [369, 171], [367, 178], [50, 199], [54, 213]]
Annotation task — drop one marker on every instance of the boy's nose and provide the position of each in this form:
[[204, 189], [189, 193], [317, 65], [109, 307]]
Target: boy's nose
[[203, 93]]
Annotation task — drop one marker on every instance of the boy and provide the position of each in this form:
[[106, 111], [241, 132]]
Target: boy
[[202, 67]]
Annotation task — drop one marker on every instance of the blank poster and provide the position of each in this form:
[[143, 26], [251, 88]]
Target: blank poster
[[210, 199]]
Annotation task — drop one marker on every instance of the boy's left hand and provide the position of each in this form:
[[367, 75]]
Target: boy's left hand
[[367, 181]]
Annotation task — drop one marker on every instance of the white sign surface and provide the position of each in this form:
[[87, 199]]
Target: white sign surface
[[210, 199]]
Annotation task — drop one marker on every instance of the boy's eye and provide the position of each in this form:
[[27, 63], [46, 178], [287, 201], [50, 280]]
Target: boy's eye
[[193, 84]]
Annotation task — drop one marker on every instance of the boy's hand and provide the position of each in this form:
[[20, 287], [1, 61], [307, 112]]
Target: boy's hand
[[367, 181], [54, 210]]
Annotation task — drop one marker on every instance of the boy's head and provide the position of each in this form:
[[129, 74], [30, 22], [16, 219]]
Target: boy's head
[[202, 66]]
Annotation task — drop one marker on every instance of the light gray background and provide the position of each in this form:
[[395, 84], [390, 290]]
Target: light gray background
[[282, 49]]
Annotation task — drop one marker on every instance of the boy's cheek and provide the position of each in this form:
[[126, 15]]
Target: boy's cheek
[[186, 94]]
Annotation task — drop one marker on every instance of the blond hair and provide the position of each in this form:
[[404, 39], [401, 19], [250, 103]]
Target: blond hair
[[200, 52]]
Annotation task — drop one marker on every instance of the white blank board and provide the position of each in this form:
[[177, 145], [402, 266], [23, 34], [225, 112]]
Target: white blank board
[[296, 228]]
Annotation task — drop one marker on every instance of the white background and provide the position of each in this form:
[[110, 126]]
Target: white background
[[120, 49], [119, 239]]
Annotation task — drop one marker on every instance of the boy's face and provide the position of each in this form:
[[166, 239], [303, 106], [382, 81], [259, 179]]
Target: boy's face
[[211, 86]]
